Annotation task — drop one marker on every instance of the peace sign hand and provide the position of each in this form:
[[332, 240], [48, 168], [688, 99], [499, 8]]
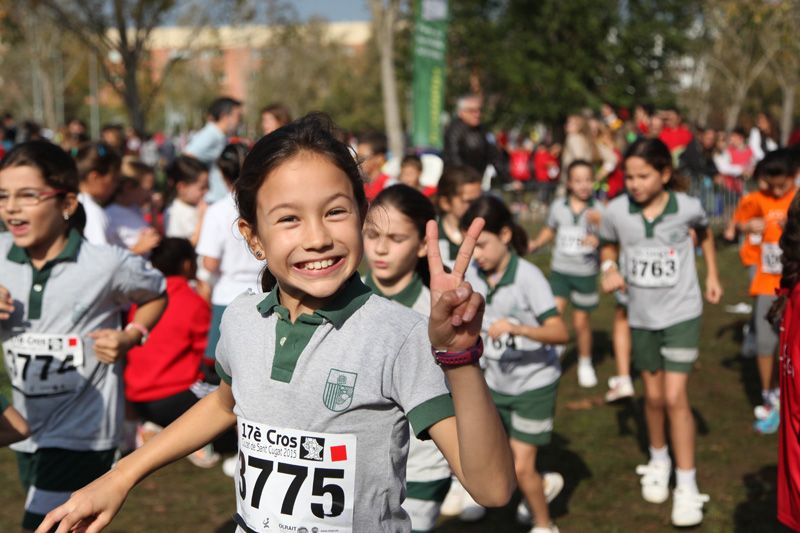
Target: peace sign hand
[[456, 310]]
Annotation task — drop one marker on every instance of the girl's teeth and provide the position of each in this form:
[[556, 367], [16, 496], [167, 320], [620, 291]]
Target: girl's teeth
[[318, 265]]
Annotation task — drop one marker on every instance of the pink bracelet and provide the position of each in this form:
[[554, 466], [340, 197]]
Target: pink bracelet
[[467, 357], [141, 329]]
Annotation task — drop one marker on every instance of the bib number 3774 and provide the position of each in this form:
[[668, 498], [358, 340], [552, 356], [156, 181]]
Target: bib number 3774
[[289, 479], [41, 364]]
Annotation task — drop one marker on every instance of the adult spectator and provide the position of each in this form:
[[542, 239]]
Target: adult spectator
[[274, 116], [224, 116], [465, 140], [674, 134], [764, 137], [578, 143]]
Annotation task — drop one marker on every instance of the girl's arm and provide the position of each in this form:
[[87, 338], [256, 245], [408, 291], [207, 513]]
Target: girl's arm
[[610, 277], [111, 344], [713, 286], [13, 427], [545, 236], [97, 503], [474, 442], [553, 331]]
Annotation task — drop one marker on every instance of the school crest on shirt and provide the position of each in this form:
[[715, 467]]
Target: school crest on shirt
[[339, 389]]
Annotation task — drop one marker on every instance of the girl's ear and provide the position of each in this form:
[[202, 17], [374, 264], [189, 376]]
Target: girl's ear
[[69, 204], [251, 238], [422, 251], [444, 204], [505, 235], [666, 175]]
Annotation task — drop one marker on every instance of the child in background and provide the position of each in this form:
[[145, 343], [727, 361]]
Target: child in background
[[394, 244], [126, 224], [762, 219], [520, 324], [300, 366], [98, 171], [411, 172], [372, 150], [13, 427], [651, 227], [785, 315], [161, 374], [64, 296], [546, 170], [458, 187], [573, 224], [187, 178]]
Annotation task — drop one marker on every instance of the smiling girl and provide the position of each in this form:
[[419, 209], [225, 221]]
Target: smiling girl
[[321, 375]]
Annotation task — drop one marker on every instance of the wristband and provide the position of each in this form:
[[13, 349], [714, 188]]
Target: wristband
[[607, 265], [453, 359], [141, 329]]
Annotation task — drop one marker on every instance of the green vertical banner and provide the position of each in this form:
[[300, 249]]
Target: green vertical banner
[[430, 47]]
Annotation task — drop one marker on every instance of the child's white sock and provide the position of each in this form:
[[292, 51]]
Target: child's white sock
[[624, 381], [774, 397], [585, 360], [765, 396], [659, 454], [686, 479]]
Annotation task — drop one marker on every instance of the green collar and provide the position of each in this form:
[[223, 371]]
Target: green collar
[[507, 279], [577, 216], [69, 253], [408, 296], [649, 226], [344, 303], [452, 247]]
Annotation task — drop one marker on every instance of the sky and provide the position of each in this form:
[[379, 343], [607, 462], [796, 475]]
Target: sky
[[334, 10]]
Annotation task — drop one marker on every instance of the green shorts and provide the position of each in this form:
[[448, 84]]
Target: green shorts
[[674, 349], [528, 417], [580, 291], [50, 475]]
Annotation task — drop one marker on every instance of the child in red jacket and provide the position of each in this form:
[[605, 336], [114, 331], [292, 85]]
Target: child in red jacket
[[786, 311]]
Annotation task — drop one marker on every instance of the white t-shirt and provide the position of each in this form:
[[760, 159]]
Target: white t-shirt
[[125, 225], [96, 220], [220, 239], [180, 220]]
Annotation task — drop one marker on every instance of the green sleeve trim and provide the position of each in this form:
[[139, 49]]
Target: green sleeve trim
[[222, 374], [3, 403], [547, 314], [607, 242], [431, 491], [428, 413]]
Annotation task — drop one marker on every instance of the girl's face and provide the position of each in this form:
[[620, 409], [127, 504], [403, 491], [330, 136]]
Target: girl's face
[[269, 123], [309, 228], [193, 193], [409, 175], [101, 187], [457, 205], [392, 244], [581, 182], [33, 226], [643, 181], [491, 249]]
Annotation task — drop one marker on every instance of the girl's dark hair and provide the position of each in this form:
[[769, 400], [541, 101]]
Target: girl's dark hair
[[169, 255], [777, 163], [579, 163], [417, 208], [656, 154], [314, 134], [497, 216], [453, 178], [790, 244], [279, 111], [230, 161], [96, 157], [56, 167], [183, 169]]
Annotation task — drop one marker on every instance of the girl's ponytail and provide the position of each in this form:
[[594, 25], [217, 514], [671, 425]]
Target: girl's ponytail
[[519, 239], [790, 244]]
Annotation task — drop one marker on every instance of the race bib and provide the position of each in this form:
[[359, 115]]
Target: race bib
[[40, 364], [653, 267], [291, 480], [771, 258], [569, 241], [754, 238]]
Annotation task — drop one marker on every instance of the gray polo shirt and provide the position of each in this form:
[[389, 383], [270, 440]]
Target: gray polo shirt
[[517, 364], [68, 403], [659, 259], [570, 256], [341, 386]]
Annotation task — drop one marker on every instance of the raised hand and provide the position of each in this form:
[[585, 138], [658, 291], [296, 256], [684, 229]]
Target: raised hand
[[111, 344], [6, 303], [456, 310]]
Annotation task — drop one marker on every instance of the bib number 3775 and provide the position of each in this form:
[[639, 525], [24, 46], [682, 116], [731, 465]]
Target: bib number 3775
[[289, 479]]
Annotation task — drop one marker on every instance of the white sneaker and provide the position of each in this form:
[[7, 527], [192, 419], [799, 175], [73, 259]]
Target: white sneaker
[[619, 388], [453, 503], [762, 411], [553, 485], [552, 528], [687, 507], [229, 466], [472, 511], [586, 375], [655, 480]]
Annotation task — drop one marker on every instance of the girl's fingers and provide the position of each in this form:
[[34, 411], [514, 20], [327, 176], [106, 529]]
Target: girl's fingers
[[467, 247], [435, 265], [474, 305]]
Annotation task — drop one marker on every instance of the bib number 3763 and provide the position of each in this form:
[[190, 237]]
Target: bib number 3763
[[289, 479], [653, 267]]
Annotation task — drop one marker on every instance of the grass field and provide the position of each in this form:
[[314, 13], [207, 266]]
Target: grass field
[[596, 447]]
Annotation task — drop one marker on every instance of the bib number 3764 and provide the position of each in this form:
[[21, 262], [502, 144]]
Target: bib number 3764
[[289, 479]]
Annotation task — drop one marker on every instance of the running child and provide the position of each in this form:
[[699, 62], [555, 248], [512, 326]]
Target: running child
[[651, 227], [785, 314], [394, 244], [322, 408], [457, 188], [127, 226], [98, 171], [764, 218], [411, 173], [520, 325], [187, 180], [573, 224], [60, 326]]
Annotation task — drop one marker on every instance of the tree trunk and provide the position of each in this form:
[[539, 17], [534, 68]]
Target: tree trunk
[[732, 114], [787, 111], [384, 17], [133, 102]]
